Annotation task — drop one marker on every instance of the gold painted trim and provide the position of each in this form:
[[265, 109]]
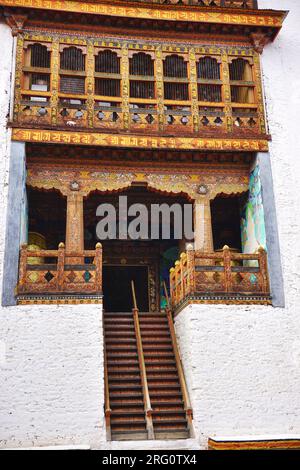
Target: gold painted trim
[[137, 141], [59, 301], [282, 444], [162, 12]]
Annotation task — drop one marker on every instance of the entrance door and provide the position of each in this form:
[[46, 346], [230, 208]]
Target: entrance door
[[117, 295]]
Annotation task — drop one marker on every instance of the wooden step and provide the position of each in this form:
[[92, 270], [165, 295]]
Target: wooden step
[[128, 419], [129, 436], [132, 412], [120, 347], [126, 379], [130, 427], [171, 434]]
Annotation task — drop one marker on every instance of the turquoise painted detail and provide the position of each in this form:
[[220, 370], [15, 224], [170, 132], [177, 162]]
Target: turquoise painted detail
[[253, 230]]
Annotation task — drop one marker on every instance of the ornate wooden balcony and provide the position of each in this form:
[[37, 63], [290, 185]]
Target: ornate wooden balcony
[[225, 277], [138, 89], [58, 276]]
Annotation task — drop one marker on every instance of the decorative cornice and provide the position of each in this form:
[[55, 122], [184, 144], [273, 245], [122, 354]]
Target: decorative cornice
[[138, 141], [261, 18]]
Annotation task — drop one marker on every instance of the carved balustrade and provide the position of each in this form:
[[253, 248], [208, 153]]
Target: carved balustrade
[[220, 277], [55, 271]]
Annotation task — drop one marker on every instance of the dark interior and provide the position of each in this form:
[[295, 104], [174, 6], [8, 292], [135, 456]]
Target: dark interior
[[117, 288]]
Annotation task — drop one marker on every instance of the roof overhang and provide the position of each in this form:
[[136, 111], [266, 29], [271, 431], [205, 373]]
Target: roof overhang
[[248, 18]]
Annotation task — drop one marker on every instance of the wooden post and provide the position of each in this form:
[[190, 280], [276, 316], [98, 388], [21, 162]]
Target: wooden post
[[98, 264], [54, 79], [202, 226], [227, 268], [147, 402], [22, 269], [190, 266], [90, 83], [194, 89], [172, 286], [263, 266], [74, 227], [183, 267], [158, 64], [125, 86], [60, 266], [227, 92]]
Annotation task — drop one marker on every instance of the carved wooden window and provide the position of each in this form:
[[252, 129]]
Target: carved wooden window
[[141, 69], [37, 72], [39, 56], [72, 69], [209, 80], [72, 58], [241, 81], [107, 74], [176, 86]]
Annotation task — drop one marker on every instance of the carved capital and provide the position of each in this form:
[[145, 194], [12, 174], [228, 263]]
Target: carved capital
[[259, 41], [15, 22]]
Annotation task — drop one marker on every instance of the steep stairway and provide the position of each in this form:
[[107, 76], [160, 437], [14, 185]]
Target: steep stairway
[[127, 417], [168, 418]]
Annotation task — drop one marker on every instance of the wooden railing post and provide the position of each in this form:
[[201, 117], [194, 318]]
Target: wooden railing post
[[182, 274], [263, 266], [22, 268], [147, 401], [185, 395], [98, 264], [227, 268], [172, 286], [190, 266], [60, 266]]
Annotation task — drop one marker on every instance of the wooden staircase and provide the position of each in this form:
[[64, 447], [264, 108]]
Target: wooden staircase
[[146, 395]]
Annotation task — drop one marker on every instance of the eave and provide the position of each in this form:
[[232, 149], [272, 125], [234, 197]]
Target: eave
[[267, 23]]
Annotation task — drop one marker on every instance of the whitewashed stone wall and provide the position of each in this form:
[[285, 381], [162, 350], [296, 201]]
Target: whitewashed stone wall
[[243, 363], [51, 357]]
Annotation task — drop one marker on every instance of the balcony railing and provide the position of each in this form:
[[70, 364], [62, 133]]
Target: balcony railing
[[57, 272], [224, 277], [205, 3]]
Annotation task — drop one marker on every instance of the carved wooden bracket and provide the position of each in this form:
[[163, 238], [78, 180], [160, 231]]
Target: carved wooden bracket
[[259, 41], [15, 22]]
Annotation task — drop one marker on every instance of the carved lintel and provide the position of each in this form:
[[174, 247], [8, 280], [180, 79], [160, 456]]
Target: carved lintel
[[259, 41], [15, 22]]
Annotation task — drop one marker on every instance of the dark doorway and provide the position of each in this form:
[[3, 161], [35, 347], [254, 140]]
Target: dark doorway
[[226, 222], [117, 295]]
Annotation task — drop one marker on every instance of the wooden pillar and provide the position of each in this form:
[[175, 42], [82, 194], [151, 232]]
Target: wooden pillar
[[194, 89], [159, 87], [202, 226], [90, 83], [74, 227], [125, 86], [54, 80], [227, 92]]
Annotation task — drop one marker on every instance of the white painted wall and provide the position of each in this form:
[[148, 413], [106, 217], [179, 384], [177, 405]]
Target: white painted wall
[[243, 363], [51, 360]]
